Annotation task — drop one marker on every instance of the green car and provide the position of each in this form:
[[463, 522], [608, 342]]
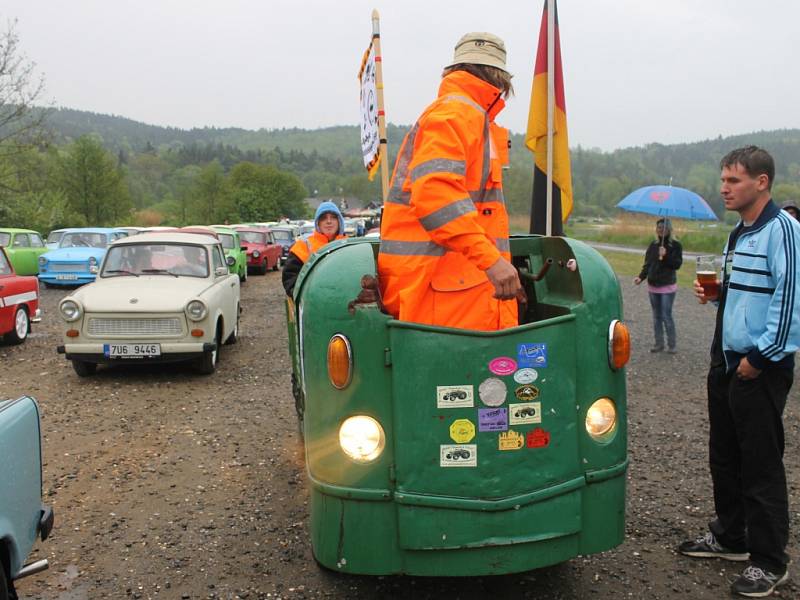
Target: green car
[[24, 247], [233, 247]]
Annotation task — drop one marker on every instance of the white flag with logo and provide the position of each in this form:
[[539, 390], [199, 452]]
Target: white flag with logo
[[370, 138]]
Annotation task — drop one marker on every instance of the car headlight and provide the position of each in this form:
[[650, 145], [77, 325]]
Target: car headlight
[[362, 438], [42, 260], [196, 310], [92, 264], [70, 310], [601, 418], [256, 253]]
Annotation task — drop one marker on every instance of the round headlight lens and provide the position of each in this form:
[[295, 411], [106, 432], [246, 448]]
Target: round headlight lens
[[601, 418], [42, 260], [256, 253], [362, 438], [196, 310], [70, 310]]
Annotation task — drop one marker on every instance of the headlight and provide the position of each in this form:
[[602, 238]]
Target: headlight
[[361, 438], [42, 260], [256, 253], [70, 310], [601, 418], [92, 264], [196, 310]]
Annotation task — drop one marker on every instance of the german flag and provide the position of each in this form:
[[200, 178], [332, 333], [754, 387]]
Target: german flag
[[536, 137]]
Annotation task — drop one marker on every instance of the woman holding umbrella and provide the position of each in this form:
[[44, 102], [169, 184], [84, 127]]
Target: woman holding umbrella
[[661, 260]]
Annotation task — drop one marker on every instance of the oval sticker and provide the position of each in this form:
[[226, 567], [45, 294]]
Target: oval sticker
[[502, 365], [526, 376], [492, 391]]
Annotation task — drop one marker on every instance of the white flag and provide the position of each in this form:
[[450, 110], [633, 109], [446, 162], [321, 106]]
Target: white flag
[[370, 139]]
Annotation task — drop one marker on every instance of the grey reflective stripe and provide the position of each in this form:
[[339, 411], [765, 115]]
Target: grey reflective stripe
[[447, 213], [490, 195], [503, 244], [438, 165], [396, 194], [411, 248], [465, 100]]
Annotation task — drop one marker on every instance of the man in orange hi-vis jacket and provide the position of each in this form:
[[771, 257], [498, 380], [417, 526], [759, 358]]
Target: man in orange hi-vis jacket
[[444, 255]]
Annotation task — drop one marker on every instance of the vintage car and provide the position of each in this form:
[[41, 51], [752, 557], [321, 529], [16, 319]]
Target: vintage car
[[23, 517], [285, 235], [23, 247], [19, 302], [78, 256], [159, 297], [232, 245], [54, 238], [263, 251]]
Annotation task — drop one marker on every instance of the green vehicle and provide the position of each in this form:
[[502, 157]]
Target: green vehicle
[[23, 247], [232, 245], [449, 452]]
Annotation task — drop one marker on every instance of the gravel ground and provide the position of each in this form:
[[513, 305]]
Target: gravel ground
[[168, 484]]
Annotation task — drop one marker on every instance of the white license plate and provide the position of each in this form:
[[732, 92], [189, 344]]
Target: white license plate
[[131, 350], [66, 276]]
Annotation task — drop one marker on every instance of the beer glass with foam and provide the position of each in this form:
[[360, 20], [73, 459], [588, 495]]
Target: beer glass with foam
[[708, 276]]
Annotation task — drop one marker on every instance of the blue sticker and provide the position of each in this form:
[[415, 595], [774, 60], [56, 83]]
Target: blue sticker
[[532, 355], [492, 419]]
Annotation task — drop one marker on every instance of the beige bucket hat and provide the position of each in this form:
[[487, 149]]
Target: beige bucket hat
[[480, 48]]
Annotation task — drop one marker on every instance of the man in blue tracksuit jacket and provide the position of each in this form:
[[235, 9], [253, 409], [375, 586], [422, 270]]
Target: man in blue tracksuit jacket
[[752, 368]]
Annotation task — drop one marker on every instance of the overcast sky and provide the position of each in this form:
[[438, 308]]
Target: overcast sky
[[636, 71]]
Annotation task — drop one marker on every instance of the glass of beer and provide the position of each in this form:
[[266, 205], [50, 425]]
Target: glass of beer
[[708, 277]]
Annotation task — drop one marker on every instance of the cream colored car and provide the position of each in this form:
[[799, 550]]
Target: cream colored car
[[159, 297]]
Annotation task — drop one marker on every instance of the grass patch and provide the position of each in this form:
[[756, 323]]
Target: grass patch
[[627, 266]]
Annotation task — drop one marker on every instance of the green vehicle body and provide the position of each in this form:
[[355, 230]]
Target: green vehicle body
[[515, 510], [23, 247], [234, 249]]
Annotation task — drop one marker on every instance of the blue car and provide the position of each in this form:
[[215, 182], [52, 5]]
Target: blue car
[[77, 259], [23, 517]]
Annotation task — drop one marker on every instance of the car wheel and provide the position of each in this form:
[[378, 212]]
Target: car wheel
[[276, 265], [7, 591], [262, 268], [22, 325], [83, 368], [243, 275], [207, 363], [234, 336]]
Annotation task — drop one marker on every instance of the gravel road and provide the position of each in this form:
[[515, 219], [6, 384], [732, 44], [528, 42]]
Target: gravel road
[[168, 484]]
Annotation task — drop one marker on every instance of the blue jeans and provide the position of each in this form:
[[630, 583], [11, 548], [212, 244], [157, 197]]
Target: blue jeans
[[662, 318]]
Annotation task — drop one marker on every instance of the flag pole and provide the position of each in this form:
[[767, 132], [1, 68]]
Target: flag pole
[[376, 40], [551, 100]]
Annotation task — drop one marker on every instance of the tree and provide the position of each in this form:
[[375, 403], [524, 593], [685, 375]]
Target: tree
[[93, 185], [264, 193], [21, 123], [212, 200]]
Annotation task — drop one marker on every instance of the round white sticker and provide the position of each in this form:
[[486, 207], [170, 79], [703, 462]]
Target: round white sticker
[[492, 391], [526, 376]]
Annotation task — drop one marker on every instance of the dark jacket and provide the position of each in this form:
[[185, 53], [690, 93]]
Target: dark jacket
[[662, 272]]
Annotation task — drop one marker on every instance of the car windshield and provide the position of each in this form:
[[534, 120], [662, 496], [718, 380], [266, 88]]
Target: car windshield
[[4, 239], [54, 236], [253, 237], [282, 235], [83, 239], [156, 259], [306, 229], [5, 268], [227, 240]]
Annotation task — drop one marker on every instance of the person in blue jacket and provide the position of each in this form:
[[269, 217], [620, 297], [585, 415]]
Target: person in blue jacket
[[752, 367]]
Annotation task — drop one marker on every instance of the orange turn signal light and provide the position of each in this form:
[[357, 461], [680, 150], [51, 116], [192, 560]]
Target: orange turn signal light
[[340, 361], [619, 344], [197, 333], [73, 333]]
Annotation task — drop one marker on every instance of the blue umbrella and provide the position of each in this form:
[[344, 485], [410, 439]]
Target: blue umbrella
[[668, 201]]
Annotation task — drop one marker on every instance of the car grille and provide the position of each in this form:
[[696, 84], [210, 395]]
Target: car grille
[[68, 266], [164, 326]]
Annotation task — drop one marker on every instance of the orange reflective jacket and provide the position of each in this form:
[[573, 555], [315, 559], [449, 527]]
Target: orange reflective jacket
[[445, 222], [305, 247]]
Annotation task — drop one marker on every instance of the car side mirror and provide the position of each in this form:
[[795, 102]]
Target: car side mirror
[[230, 260], [243, 248], [220, 271]]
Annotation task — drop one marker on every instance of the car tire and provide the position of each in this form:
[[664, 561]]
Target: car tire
[[21, 327], [7, 591], [234, 336], [207, 363], [262, 268], [243, 275], [83, 368], [276, 265]]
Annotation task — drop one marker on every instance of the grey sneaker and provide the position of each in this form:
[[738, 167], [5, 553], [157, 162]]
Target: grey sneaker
[[707, 546], [672, 350], [657, 349], [755, 582]]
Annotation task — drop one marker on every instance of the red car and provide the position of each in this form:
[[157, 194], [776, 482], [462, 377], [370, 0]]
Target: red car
[[19, 302], [262, 251]]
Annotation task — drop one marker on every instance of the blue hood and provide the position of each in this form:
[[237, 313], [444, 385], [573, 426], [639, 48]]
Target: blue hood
[[74, 254], [328, 207]]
